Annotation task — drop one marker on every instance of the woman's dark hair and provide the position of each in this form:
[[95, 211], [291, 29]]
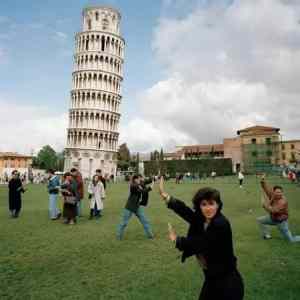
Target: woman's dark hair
[[207, 193], [94, 179], [67, 174]]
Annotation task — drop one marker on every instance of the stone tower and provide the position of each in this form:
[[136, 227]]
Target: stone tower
[[94, 113]]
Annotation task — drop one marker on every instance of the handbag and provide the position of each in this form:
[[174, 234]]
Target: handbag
[[70, 199]]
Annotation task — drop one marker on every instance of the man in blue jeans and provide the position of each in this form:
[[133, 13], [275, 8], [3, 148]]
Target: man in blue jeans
[[53, 189], [277, 206], [133, 207]]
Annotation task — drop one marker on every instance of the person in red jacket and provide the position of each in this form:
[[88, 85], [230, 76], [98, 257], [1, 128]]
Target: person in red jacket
[[80, 189], [275, 203]]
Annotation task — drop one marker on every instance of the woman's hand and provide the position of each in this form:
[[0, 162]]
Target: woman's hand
[[162, 192], [172, 233]]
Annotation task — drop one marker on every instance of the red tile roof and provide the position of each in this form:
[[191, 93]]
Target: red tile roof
[[259, 129], [14, 154]]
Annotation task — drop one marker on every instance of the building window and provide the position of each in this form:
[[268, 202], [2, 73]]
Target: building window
[[268, 141], [292, 146], [283, 156], [282, 146], [253, 141], [254, 153], [293, 156], [269, 153], [97, 16], [89, 24]]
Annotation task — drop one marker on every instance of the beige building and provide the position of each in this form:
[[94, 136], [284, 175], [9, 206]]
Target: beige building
[[94, 115], [289, 152], [10, 161], [255, 148]]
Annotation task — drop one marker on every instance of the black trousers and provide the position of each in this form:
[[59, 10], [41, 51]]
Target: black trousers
[[230, 287]]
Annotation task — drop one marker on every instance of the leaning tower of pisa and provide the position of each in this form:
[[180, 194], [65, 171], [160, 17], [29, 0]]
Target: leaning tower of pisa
[[94, 112]]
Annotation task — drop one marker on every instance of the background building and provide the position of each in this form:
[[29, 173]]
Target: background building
[[94, 115], [254, 149], [10, 161]]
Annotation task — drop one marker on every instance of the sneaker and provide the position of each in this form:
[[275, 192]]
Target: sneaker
[[267, 237]]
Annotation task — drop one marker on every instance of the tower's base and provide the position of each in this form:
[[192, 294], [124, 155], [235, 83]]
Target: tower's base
[[88, 161]]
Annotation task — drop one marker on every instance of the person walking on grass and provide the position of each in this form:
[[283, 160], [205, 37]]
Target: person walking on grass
[[15, 188], [275, 203], [241, 178], [96, 195], [69, 191], [209, 239], [53, 190], [133, 207], [80, 190]]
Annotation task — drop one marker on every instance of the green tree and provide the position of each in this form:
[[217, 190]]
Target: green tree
[[161, 154], [124, 153], [46, 158], [60, 161], [156, 155]]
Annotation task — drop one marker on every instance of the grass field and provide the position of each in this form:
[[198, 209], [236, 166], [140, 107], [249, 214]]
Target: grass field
[[43, 259]]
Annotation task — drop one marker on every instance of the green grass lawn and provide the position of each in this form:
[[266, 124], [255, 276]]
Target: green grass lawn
[[43, 259]]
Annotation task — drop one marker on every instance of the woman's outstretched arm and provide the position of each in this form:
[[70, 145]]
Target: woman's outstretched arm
[[176, 205]]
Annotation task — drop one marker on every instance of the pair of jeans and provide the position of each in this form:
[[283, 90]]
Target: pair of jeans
[[283, 227], [53, 210], [78, 208], [140, 214]]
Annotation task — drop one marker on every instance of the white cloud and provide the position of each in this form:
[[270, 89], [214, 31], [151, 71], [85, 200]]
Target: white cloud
[[226, 67], [60, 36], [26, 128]]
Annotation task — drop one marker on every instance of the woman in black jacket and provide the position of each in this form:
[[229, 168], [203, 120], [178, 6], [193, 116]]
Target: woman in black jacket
[[15, 188], [209, 238]]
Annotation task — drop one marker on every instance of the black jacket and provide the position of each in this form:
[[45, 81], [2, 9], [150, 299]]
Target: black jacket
[[145, 193], [135, 196], [214, 243]]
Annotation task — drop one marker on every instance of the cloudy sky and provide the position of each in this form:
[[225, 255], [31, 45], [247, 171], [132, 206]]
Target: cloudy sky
[[196, 71]]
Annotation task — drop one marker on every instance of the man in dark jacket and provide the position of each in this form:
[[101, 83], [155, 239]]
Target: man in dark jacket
[[133, 207]]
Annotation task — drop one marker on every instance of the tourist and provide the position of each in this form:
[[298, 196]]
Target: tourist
[[53, 190], [275, 203], [15, 188], [102, 179], [69, 192], [96, 195], [80, 189], [241, 178], [209, 239], [133, 207], [213, 174]]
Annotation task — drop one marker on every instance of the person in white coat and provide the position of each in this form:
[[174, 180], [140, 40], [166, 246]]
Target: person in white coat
[[96, 195]]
